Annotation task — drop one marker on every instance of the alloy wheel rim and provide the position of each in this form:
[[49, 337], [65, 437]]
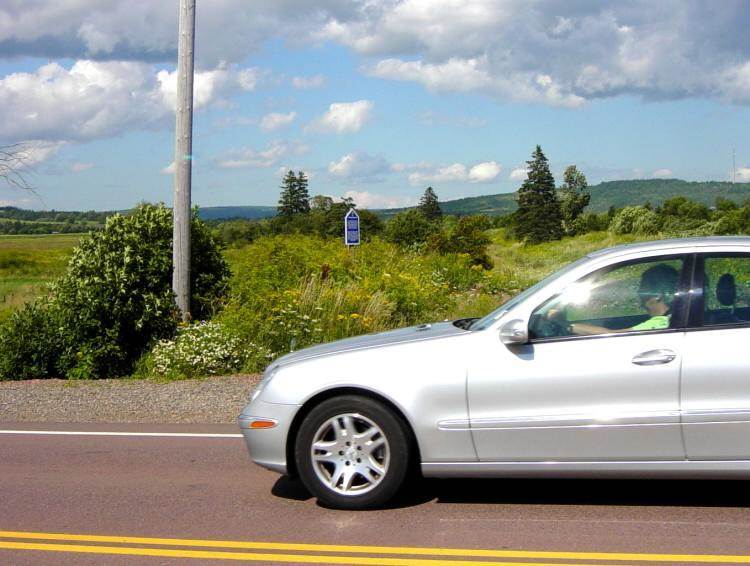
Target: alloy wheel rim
[[350, 454]]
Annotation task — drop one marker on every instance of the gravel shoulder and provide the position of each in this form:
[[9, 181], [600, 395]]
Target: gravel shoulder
[[209, 400]]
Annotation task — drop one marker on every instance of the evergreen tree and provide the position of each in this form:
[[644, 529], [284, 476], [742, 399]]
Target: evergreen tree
[[429, 206], [288, 197], [573, 198], [294, 198], [302, 197], [538, 215]]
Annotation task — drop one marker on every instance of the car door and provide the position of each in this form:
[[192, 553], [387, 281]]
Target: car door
[[716, 365], [611, 394]]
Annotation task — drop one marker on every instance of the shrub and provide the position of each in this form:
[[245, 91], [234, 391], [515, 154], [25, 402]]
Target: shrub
[[468, 237], [29, 343], [116, 295], [408, 228], [647, 223], [201, 349], [623, 220]]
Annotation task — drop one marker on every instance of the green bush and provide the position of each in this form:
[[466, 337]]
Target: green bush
[[467, 236], [409, 228], [30, 343], [201, 349], [647, 223], [116, 296], [625, 218]]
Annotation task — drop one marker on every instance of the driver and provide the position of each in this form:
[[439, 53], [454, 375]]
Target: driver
[[656, 292]]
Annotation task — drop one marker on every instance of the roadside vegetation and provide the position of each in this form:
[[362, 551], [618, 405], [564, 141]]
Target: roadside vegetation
[[101, 305]]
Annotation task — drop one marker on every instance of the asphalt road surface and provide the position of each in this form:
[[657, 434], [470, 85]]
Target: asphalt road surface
[[155, 499]]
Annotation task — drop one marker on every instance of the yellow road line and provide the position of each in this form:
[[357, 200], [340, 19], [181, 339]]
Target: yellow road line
[[415, 551], [255, 556]]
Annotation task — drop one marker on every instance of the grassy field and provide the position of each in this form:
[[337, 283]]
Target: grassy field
[[28, 263]]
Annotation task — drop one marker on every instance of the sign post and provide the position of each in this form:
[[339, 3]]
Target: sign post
[[351, 228]]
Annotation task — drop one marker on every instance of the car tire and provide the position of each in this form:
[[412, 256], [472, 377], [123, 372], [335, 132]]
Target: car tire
[[352, 452]]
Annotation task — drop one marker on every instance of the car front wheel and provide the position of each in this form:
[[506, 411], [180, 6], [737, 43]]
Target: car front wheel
[[352, 452]]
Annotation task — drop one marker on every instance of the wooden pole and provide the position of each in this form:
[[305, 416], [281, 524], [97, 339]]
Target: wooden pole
[[183, 158]]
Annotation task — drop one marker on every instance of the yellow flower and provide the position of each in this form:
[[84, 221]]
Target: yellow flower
[[340, 317], [354, 315]]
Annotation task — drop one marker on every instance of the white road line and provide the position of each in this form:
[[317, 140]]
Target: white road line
[[103, 433]]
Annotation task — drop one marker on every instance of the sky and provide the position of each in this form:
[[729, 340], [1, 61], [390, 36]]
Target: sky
[[375, 99]]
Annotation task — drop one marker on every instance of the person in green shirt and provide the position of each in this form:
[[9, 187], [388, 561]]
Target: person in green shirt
[[656, 291]]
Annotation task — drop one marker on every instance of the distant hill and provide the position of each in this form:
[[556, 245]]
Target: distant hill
[[227, 212], [604, 195]]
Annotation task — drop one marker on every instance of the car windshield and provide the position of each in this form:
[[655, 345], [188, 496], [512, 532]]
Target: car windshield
[[490, 319]]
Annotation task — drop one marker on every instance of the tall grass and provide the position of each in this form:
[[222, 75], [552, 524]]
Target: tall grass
[[291, 291]]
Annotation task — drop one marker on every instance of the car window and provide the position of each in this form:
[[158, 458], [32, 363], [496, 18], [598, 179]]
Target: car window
[[635, 296], [726, 290]]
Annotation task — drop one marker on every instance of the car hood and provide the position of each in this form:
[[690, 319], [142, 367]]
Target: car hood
[[389, 338]]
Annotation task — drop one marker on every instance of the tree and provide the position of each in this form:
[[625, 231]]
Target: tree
[[294, 198], [573, 198], [321, 202], [429, 206], [301, 195], [538, 215], [408, 227]]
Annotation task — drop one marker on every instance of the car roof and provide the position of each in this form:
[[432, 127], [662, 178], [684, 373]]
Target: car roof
[[672, 244]]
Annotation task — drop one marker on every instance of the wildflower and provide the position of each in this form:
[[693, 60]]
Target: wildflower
[[354, 315]]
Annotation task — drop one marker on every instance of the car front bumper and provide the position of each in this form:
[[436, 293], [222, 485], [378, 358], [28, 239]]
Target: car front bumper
[[267, 445]]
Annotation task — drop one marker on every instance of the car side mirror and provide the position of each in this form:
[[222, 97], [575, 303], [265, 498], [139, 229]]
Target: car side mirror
[[514, 332]]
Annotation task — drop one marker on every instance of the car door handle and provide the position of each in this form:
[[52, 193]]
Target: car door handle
[[654, 357]]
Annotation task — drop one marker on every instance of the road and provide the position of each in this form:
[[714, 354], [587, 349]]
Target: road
[[59, 492]]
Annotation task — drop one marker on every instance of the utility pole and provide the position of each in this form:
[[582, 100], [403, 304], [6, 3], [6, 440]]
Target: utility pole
[[183, 155]]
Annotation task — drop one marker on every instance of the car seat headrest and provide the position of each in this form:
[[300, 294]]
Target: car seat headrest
[[726, 290]]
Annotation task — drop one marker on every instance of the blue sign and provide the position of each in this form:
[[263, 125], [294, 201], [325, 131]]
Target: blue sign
[[351, 228]]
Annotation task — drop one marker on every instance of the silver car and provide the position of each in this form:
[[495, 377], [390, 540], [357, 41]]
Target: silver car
[[628, 362]]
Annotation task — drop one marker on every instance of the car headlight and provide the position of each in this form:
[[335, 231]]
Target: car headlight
[[267, 376]]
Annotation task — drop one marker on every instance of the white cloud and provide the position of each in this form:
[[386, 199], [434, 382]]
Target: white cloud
[[558, 53], [79, 166], [743, 174], [552, 53], [95, 99], [314, 81], [168, 170], [344, 117], [268, 157], [38, 151], [447, 174], [248, 78], [518, 174], [360, 166], [365, 199], [484, 172], [662, 174], [470, 75], [276, 120]]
